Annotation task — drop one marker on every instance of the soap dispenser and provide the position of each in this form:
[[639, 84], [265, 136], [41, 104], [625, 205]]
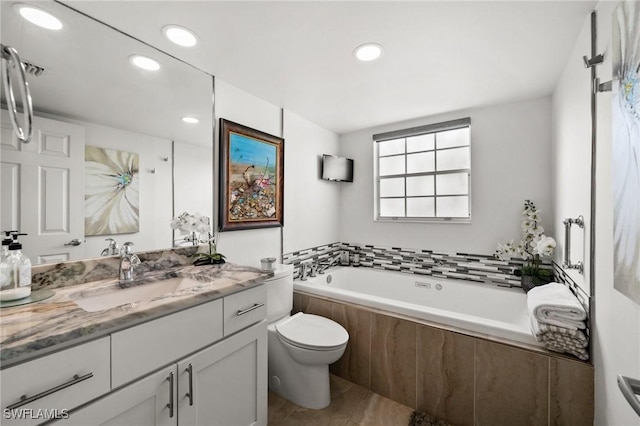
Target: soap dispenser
[[5, 244], [15, 272]]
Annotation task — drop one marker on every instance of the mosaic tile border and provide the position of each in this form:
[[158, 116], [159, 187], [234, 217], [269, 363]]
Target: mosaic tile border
[[463, 266]]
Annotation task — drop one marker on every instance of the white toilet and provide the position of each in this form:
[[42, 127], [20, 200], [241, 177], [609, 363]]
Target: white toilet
[[301, 346]]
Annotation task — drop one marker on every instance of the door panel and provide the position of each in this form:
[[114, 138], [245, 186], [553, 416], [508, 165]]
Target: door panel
[[38, 179]]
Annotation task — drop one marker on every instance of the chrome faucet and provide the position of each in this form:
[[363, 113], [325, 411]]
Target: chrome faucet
[[112, 249], [323, 266], [304, 271], [128, 263]]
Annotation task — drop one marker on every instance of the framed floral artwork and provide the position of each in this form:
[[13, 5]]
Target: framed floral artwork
[[251, 178], [111, 198], [626, 148]]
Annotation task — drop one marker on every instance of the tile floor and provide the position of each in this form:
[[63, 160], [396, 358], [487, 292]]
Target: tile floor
[[351, 405]]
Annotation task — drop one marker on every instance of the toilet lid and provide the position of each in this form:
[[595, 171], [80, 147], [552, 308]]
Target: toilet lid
[[312, 331]]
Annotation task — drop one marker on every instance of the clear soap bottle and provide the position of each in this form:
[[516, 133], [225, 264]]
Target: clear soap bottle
[[5, 244], [15, 273]]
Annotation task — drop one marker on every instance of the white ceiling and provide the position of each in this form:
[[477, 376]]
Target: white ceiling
[[439, 55]]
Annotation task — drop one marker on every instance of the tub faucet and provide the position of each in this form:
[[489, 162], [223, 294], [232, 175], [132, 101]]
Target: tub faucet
[[323, 266], [304, 271], [313, 270], [128, 263]]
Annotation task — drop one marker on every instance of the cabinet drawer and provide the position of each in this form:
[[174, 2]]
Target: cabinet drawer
[[244, 309], [146, 347], [56, 382]]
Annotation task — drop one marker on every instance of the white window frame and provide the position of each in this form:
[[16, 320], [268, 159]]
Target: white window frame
[[417, 131]]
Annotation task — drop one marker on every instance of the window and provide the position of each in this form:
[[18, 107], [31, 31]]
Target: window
[[424, 173]]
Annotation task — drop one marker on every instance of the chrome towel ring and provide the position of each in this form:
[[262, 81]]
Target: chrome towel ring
[[12, 60]]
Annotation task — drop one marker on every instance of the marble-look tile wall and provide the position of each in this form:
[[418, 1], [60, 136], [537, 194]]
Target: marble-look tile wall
[[56, 275], [462, 379]]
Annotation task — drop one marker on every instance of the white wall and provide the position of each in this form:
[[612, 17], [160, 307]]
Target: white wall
[[246, 246], [193, 180], [312, 205], [616, 334], [155, 204], [510, 162], [571, 110], [617, 318]]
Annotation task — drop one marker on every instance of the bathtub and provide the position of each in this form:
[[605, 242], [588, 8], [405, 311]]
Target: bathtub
[[480, 310]]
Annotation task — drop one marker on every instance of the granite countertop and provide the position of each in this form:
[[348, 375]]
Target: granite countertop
[[29, 331]]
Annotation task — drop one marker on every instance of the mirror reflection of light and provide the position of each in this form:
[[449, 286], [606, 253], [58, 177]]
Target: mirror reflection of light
[[190, 120], [38, 17], [144, 62], [180, 35]]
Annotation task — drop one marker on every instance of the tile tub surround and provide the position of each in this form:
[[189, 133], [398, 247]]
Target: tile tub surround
[[56, 275], [32, 330], [462, 379], [478, 268]]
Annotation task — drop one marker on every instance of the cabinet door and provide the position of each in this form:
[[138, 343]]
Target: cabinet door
[[145, 402], [226, 384]]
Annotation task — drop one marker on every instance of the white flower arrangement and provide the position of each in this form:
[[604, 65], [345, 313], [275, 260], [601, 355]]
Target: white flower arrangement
[[192, 225], [533, 246]]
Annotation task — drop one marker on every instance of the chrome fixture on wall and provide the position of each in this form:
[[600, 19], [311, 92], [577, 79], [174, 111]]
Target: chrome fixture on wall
[[590, 62], [567, 243], [630, 388], [12, 60]]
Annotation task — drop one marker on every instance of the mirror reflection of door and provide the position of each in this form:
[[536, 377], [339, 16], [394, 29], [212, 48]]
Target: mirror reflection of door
[[37, 184], [88, 80]]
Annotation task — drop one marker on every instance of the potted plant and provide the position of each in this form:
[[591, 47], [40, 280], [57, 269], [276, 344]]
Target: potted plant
[[532, 248], [211, 258]]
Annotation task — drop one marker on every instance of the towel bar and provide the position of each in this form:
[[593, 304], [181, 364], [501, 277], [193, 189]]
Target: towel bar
[[630, 388], [567, 243]]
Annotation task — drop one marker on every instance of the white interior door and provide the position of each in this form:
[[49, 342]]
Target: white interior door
[[42, 189]]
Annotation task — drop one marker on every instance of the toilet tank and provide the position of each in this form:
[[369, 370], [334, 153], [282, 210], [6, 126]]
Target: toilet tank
[[279, 292]]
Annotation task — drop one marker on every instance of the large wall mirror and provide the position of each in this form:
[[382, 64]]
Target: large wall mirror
[[111, 156]]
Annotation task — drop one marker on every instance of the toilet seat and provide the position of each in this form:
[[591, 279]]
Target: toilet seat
[[312, 332]]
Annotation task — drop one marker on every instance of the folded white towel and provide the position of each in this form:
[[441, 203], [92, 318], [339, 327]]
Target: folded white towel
[[554, 304], [561, 339]]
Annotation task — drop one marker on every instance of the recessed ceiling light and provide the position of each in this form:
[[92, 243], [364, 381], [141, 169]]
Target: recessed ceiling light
[[144, 62], [180, 35], [190, 120], [368, 52], [38, 16]]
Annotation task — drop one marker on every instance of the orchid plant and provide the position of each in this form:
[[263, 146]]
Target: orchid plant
[[193, 226], [533, 246]]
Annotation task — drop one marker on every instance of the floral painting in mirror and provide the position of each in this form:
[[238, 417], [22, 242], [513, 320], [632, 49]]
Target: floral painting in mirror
[[251, 178], [626, 148], [111, 198]]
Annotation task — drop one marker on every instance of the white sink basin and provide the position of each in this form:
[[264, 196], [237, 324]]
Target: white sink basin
[[96, 300]]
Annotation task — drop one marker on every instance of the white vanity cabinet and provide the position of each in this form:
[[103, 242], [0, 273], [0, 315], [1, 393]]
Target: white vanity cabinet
[[142, 403], [205, 365], [37, 390], [226, 383]]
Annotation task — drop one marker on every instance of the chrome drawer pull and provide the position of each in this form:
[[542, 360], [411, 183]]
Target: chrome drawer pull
[[24, 400], [190, 394], [170, 404], [254, 307]]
